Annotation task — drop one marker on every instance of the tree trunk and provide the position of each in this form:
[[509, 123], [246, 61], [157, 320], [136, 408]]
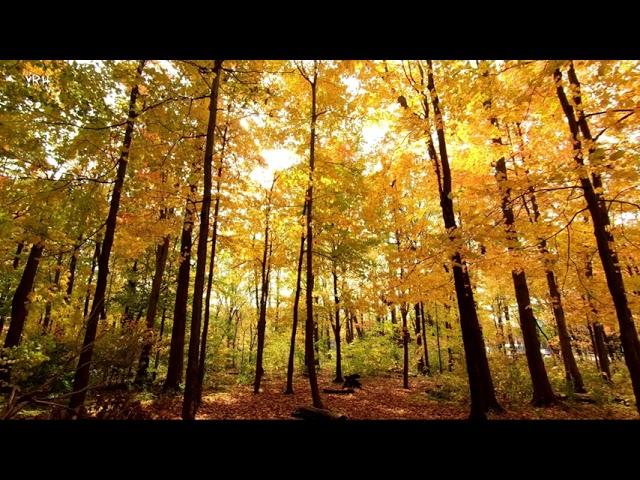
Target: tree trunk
[[481, 387], [16, 257], [405, 346], [438, 339], [81, 379], [46, 322], [296, 302], [176, 349], [94, 262], [605, 240], [309, 343], [542, 392], [598, 333], [190, 404], [425, 346], [21, 301], [336, 328], [162, 252], [72, 270], [157, 359], [212, 260], [264, 295]]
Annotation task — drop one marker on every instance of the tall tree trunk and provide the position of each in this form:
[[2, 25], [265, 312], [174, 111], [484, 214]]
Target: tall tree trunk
[[481, 387], [162, 251], [176, 349], [405, 346], [425, 345], [190, 404], [598, 333], [264, 294], [81, 378], [542, 392], [157, 359], [296, 302], [212, 260], [592, 190], [73, 262], [438, 339], [94, 263], [309, 324], [336, 328], [46, 322]]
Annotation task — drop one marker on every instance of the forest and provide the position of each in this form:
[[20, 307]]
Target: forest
[[319, 239]]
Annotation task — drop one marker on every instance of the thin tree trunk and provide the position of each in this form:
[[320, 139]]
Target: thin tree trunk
[[212, 260], [425, 346], [190, 404], [162, 251], [72, 269], [46, 323], [598, 333], [542, 393], [309, 343], [94, 262], [296, 302], [156, 362], [336, 329], [81, 379], [176, 349], [405, 346], [264, 295], [438, 339]]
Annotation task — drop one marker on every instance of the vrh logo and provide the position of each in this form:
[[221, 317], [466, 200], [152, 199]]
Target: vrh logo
[[34, 80]]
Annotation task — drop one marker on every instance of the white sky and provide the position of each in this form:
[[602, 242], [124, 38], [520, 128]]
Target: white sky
[[277, 159]]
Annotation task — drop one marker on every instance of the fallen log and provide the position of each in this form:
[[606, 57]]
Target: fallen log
[[335, 391], [313, 413]]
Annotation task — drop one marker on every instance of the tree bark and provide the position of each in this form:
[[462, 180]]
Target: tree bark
[[190, 404], [81, 379]]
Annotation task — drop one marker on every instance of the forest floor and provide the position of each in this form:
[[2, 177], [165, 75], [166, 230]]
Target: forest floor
[[381, 398]]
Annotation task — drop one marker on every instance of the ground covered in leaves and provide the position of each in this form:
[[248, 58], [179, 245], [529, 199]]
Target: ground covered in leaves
[[381, 398]]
